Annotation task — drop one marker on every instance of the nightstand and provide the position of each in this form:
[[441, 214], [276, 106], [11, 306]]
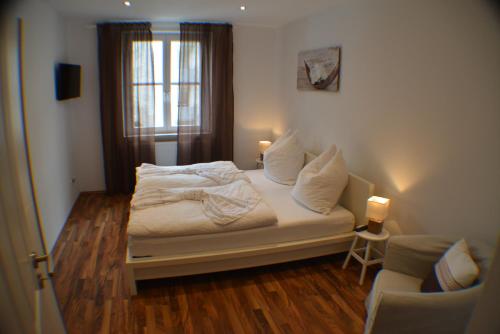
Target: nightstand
[[367, 260], [260, 163]]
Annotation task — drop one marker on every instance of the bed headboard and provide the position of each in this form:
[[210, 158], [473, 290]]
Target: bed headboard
[[356, 193]]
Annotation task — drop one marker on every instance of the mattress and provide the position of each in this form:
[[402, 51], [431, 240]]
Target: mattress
[[295, 223]]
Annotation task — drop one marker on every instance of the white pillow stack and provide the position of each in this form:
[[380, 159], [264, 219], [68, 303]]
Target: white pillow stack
[[322, 181], [284, 159], [454, 271]]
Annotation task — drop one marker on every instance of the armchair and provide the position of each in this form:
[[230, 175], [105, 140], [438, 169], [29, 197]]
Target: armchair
[[395, 303]]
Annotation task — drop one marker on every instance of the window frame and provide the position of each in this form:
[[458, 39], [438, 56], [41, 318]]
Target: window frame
[[166, 38]]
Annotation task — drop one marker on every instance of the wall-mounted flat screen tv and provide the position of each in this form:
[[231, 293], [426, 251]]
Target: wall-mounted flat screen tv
[[67, 81]]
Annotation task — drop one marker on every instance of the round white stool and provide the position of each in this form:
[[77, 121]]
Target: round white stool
[[368, 248]]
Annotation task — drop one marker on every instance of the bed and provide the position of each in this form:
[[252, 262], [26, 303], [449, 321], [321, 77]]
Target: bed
[[299, 233]]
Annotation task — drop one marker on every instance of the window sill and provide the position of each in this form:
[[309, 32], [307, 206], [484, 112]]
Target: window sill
[[161, 137]]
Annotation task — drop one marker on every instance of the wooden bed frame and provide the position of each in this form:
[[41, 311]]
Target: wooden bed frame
[[353, 198]]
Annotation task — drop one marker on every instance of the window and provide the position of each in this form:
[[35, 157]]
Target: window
[[167, 86], [191, 87]]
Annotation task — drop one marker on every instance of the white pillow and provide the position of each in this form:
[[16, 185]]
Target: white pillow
[[277, 142], [322, 181], [284, 159], [456, 269]]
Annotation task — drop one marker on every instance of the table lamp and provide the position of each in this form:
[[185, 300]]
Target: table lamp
[[377, 209], [263, 145]]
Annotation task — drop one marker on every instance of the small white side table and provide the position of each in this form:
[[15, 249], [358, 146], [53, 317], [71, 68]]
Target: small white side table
[[368, 248]]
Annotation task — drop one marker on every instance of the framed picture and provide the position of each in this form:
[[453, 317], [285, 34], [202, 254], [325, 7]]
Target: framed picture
[[319, 69]]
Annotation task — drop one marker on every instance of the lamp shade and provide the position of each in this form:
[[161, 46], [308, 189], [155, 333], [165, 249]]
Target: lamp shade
[[264, 145], [377, 208]]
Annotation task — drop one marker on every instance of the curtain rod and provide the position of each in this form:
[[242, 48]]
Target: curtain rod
[[156, 26], [159, 30], [163, 26]]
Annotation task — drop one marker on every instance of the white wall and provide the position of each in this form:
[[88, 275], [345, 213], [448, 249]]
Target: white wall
[[256, 98], [418, 112], [48, 121], [86, 139]]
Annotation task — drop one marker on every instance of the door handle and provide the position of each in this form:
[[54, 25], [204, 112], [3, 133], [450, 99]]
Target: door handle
[[38, 258]]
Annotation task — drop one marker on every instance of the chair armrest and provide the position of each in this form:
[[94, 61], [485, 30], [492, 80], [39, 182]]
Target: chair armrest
[[405, 312], [415, 255]]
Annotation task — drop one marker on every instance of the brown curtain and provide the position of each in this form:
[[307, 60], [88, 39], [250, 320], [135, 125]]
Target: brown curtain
[[206, 100], [127, 101]]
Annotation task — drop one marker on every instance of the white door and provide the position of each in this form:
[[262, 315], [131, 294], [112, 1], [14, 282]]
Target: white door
[[27, 299]]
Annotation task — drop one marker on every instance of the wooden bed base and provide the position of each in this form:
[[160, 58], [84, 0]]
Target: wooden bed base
[[354, 199]]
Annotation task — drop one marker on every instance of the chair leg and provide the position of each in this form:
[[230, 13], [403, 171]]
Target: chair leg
[[365, 263], [346, 262]]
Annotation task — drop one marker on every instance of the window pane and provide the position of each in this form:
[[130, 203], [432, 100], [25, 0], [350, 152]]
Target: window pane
[[159, 106], [189, 105], [193, 58], [145, 105], [158, 61], [175, 49], [174, 105], [141, 62]]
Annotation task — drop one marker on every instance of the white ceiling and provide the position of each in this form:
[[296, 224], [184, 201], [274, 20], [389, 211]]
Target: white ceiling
[[272, 13]]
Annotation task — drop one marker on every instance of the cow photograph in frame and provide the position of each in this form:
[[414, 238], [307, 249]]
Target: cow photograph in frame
[[319, 69]]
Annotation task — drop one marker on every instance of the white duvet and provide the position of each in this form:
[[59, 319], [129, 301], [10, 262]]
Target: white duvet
[[196, 175], [222, 204], [157, 211]]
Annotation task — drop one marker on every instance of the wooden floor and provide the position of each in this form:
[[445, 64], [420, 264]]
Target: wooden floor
[[310, 296]]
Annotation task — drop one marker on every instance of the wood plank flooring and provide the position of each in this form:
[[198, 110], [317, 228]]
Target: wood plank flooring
[[310, 296]]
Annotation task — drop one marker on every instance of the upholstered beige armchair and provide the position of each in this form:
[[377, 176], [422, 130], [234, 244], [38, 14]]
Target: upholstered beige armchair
[[396, 305]]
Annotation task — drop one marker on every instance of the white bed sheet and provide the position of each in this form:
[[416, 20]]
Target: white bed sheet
[[295, 222]]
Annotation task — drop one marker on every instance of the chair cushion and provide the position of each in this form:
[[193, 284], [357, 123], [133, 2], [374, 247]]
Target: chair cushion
[[454, 271], [388, 280]]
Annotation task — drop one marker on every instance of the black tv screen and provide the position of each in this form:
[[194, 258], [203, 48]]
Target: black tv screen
[[67, 81]]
